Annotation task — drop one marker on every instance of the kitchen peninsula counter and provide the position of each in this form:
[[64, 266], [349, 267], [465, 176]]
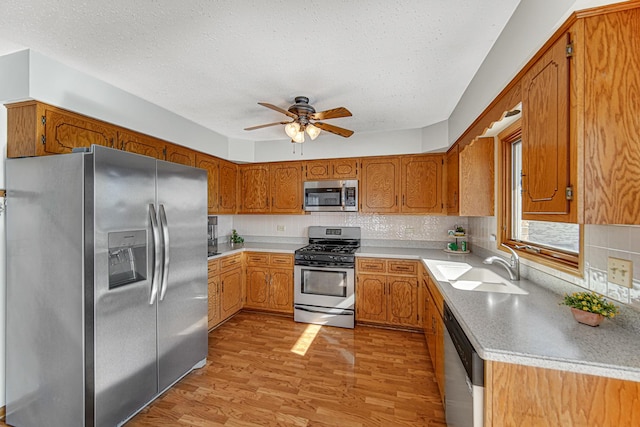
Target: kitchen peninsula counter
[[531, 330]]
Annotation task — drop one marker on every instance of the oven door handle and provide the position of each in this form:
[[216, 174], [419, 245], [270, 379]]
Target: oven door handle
[[343, 313]]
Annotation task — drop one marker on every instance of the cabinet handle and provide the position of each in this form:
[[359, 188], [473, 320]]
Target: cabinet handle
[[396, 200], [223, 286], [220, 204], [403, 204]]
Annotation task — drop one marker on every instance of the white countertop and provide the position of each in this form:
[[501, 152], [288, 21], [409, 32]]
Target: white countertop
[[531, 329]]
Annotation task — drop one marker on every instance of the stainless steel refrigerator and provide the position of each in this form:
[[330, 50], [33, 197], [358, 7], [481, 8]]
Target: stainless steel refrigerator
[[106, 284]]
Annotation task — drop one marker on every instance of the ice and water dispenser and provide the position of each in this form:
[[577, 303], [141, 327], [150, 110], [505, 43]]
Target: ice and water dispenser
[[127, 257]]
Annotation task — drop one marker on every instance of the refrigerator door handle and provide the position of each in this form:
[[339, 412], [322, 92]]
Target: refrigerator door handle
[[165, 248], [155, 274]]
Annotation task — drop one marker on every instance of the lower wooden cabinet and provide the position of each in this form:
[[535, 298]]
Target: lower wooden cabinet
[[433, 327], [230, 285], [269, 283], [214, 293], [532, 396], [387, 292]]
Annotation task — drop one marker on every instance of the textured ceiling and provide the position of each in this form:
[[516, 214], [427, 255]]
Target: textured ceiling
[[396, 64]]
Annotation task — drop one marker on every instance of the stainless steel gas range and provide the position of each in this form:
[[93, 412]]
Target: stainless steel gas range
[[324, 277]]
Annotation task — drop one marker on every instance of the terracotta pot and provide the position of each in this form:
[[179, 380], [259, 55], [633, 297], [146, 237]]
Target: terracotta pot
[[591, 319]]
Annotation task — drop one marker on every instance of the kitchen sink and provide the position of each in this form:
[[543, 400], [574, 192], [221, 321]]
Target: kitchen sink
[[466, 278]]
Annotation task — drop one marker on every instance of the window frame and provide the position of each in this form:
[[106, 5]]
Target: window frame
[[551, 257]]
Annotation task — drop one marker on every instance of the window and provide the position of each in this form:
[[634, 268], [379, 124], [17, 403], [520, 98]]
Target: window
[[547, 242]]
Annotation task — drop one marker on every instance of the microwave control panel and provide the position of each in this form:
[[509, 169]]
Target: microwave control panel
[[350, 196]]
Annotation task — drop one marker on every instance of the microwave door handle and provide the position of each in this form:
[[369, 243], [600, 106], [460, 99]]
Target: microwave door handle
[[165, 249], [157, 254], [343, 196]]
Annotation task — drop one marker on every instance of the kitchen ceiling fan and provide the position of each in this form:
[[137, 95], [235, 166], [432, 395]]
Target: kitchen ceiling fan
[[302, 114]]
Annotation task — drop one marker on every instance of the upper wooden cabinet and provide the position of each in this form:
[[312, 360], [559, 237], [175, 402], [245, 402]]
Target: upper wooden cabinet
[[422, 184], [545, 136], [346, 168], [406, 184], [270, 188], [37, 129], [179, 154], [477, 178], [212, 166], [254, 190], [607, 75], [138, 143], [380, 185], [286, 187], [452, 197], [227, 187]]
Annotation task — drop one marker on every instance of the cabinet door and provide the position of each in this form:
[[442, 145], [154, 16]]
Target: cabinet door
[[231, 292], [403, 301], [344, 168], [214, 294], [545, 135], [317, 170], [141, 144], [254, 189], [371, 301], [210, 164], [477, 178], [182, 155], [422, 184], [257, 287], [227, 187], [439, 353], [281, 290], [286, 187], [453, 190], [380, 185], [65, 131]]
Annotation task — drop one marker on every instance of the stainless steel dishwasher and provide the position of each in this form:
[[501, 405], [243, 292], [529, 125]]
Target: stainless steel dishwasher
[[464, 377]]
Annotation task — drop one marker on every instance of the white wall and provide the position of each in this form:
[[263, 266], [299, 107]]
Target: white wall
[[435, 138], [332, 146], [3, 258]]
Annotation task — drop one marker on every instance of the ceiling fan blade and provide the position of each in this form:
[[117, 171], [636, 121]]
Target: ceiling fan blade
[[278, 109], [334, 113], [267, 125], [334, 129]]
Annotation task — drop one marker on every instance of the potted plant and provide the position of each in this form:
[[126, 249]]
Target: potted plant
[[235, 240], [459, 230], [589, 308]]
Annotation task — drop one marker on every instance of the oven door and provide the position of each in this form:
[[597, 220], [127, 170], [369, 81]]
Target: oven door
[[325, 286]]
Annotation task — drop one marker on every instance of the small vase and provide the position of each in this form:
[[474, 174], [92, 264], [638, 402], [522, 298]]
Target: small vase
[[235, 245], [591, 319]]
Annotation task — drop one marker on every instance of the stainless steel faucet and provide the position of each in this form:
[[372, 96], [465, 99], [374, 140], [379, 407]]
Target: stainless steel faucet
[[512, 266]]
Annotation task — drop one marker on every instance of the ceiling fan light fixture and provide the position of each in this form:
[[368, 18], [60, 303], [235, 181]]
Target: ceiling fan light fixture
[[312, 131], [298, 137], [292, 129]]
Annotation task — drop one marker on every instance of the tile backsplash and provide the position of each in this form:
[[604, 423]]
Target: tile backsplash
[[389, 228]]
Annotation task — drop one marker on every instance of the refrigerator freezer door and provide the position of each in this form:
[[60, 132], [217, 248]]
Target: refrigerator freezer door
[[182, 305], [45, 273], [125, 352]]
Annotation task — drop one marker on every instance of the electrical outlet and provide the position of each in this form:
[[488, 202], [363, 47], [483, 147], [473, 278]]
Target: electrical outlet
[[408, 230], [280, 227], [620, 271]]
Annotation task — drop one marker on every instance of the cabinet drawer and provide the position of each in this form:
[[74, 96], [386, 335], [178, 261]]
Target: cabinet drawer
[[281, 260], [231, 261], [403, 267], [257, 259], [213, 266], [372, 265]]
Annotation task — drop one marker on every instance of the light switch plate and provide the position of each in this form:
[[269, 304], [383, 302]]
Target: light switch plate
[[280, 227], [620, 271]]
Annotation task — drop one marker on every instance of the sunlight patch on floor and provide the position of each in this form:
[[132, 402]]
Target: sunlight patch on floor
[[306, 339]]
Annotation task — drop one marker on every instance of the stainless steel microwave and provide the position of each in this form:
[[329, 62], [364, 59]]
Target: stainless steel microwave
[[331, 196]]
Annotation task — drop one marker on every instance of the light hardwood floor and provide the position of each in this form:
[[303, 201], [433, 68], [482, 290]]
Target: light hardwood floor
[[265, 370]]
